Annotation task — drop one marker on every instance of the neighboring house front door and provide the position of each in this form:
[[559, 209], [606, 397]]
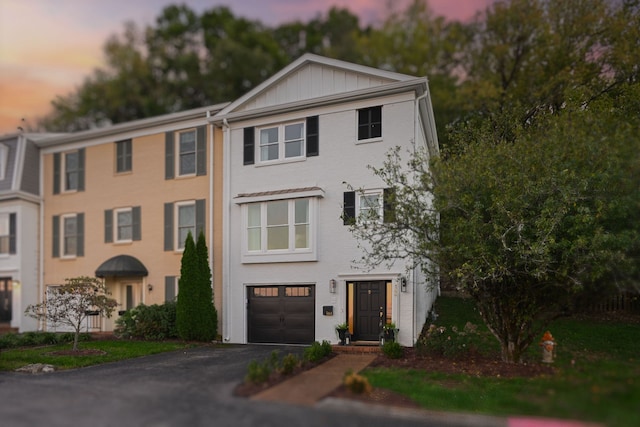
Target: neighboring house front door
[[6, 290], [370, 303]]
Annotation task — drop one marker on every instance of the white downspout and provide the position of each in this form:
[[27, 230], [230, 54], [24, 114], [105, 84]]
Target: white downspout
[[211, 210], [226, 263], [40, 287]]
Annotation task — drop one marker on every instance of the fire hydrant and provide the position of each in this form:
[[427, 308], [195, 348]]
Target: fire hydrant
[[548, 345]]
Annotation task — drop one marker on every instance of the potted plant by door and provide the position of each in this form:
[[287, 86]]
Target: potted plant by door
[[342, 329], [390, 332]]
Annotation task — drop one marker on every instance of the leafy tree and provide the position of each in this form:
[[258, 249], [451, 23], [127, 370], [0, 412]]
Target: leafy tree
[[530, 225], [195, 315], [71, 303]]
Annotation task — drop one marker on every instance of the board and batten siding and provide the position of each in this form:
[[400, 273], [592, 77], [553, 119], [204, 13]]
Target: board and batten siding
[[312, 81]]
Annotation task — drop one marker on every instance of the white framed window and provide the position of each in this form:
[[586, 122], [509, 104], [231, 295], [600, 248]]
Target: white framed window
[[186, 149], [4, 158], [185, 222], [284, 141], [370, 206], [5, 234], [370, 123], [279, 230], [69, 235], [71, 168], [124, 225]]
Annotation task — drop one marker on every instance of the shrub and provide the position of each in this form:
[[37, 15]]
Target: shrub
[[392, 350], [30, 339], [356, 383], [289, 363], [257, 372], [149, 322], [317, 351]]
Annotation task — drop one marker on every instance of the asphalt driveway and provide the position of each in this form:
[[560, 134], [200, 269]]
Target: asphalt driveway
[[184, 388]]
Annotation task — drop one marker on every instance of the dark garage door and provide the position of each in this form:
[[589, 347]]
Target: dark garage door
[[281, 314]]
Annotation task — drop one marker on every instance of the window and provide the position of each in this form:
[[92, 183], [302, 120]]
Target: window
[[68, 171], [7, 233], [68, 235], [277, 226], [4, 158], [282, 142], [369, 205], [186, 153], [123, 156], [122, 225], [369, 123], [170, 288], [181, 218]]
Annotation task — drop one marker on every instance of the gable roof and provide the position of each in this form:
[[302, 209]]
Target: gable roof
[[309, 77]]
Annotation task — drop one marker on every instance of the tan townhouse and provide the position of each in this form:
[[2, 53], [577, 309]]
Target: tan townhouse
[[118, 202]]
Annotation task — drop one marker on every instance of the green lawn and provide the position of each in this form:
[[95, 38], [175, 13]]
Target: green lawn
[[115, 350], [597, 378]]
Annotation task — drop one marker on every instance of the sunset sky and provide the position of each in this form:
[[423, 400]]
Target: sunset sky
[[47, 47]]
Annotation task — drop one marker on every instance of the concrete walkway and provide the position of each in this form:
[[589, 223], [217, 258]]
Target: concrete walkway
[[312, 385]]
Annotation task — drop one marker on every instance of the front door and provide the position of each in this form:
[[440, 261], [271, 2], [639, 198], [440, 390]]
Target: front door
[[6, 288], [370, 305]]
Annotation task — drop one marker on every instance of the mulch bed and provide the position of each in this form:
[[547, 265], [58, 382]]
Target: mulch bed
[[477, 366]]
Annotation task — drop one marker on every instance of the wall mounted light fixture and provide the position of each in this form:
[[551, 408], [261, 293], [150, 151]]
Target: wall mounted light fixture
[[403, 284], [150, 287], [332, 286]]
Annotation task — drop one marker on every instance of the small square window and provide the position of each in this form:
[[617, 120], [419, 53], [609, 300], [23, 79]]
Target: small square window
[[370, 123]]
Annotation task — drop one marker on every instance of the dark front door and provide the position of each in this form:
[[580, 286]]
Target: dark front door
[[6, 289], [281, 314], [369, 310]]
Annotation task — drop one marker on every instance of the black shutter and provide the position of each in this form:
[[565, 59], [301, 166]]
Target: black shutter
[[169, 288], [108, 226], [200, 218], [249, 146], [201, 150], [389, 205], [136, 223], [313, 136], [349, 208], [169, 162], [80, 234], [168, 226], [56, 173], [12, 233], [55, 249], [81, 169]]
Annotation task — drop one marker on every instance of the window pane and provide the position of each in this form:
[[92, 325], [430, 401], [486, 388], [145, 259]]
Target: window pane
[[293, 149], [302, 236], [4, 224], [278, 237], [186, 223], [254, 239], [268, 136], [278, 213], [254, 215], [187, 163], [302, 211], [4, 244], [293, 131], [269, 152], [188, 141]]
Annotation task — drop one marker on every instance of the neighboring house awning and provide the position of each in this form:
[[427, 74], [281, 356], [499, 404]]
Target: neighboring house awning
[[122, 265]]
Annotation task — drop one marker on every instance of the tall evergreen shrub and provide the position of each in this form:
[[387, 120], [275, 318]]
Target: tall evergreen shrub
[[210, 320]]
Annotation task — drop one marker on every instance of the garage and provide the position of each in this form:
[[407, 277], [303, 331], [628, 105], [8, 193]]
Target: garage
[[283, 314]]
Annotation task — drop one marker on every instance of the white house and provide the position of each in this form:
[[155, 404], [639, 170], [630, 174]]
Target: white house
[[289, 147], [19, 231]]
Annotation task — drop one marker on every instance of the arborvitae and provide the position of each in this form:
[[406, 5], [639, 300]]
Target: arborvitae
[[210, 319], [187, 316]]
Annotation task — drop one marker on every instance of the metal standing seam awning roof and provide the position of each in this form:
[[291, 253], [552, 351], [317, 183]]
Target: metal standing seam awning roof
[[122, 265]]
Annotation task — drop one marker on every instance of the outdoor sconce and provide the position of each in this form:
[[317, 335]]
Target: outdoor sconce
[[403, 284], [150, 287], [332, 286], [16, 284]]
